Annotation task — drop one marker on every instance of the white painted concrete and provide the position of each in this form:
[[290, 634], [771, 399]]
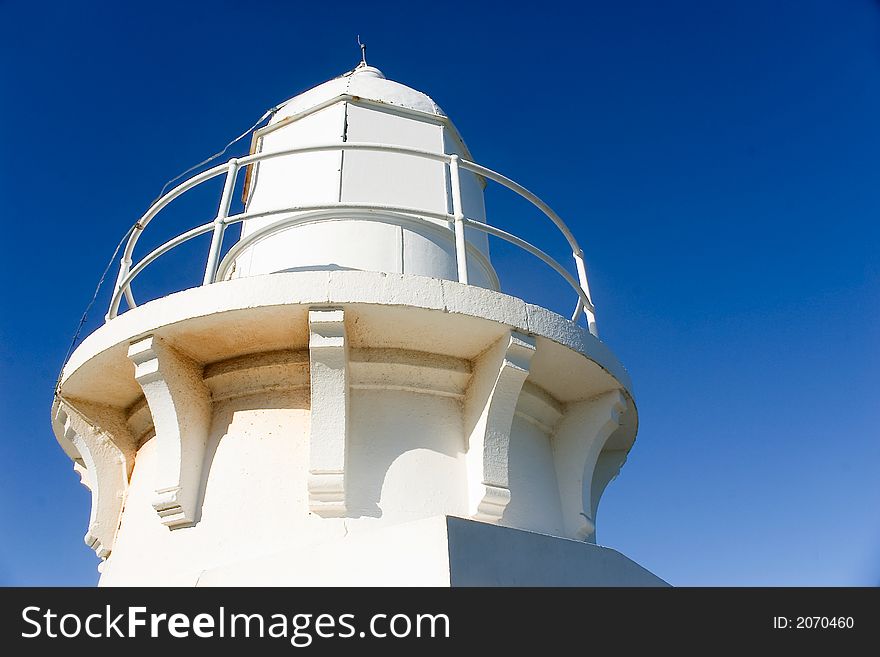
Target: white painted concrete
[[482, 555], [455, 406], [443, 314]]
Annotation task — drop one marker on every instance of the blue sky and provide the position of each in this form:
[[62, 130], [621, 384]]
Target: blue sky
[[719, 161]]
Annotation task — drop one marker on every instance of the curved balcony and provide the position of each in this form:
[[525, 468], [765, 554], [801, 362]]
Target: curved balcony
[[288, 217]]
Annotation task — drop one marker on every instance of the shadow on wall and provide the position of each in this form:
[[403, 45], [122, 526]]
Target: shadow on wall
[[406, 447], [394, 453], [246, 432]]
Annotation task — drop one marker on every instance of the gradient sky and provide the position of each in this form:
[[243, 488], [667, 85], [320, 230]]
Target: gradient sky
[[719, 161]]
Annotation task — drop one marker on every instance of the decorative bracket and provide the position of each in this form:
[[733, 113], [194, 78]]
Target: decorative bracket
[[490, 404], [102, 465], [577, 444], [180, 404], [330, 382], [608, 466]]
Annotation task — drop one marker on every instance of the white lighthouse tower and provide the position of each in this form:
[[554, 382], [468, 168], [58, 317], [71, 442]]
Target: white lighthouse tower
[[349, 398]]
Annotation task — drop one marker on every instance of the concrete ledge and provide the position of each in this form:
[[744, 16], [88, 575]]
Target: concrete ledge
[[489, 555], [439, 551], [343, 287]]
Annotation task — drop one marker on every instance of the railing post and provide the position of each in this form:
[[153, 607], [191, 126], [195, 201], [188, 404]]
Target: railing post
[[585, 286], [115, 298], [458, 214], [125, 267], [220, 223]]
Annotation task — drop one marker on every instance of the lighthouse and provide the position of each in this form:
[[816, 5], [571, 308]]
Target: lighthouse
[[348, 395]]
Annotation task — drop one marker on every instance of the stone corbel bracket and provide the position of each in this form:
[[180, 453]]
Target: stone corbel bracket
[[103, 466], [490, 404], [330, 384], [180, 404], [607, 468], [577, 445]]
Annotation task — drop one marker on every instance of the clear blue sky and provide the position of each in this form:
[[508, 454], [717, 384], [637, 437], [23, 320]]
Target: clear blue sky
[[720, 162]]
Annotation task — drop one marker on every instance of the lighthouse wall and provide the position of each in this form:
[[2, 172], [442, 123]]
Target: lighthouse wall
[[405, 461], [255, 498]]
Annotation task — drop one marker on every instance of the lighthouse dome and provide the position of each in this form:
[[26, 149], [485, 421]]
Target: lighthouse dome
[[365, 83]]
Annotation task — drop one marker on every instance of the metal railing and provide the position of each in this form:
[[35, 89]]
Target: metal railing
[[456, 222]]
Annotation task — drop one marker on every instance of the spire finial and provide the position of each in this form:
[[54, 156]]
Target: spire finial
[[363, 51]]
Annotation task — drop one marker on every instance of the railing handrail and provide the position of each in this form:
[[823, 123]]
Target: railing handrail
[[213, 172], [456, 219]]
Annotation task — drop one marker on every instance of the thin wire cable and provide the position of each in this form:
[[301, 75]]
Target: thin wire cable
[[88, 309], [128, 233], [244, 134]]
